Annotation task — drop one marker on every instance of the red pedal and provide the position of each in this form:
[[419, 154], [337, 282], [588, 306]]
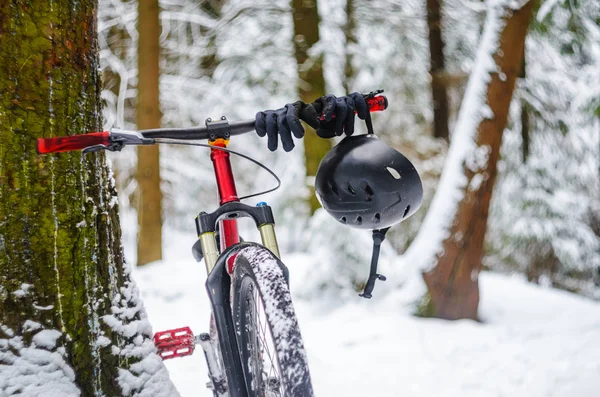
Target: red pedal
[[173, 343]]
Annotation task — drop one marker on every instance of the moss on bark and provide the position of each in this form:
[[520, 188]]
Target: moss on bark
[[59, 230]]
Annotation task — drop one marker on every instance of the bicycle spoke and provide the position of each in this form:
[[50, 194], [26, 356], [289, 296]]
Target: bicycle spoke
[[269, 377]]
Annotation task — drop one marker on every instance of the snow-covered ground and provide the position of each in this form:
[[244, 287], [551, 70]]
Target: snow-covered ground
[[532, 342]]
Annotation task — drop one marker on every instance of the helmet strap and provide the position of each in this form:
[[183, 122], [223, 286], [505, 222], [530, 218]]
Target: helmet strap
[[378, 237]]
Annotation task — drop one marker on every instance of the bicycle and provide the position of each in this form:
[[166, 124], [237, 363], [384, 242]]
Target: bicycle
[[254, 347]]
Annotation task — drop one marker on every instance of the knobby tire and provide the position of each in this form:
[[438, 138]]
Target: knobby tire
[[269, 339]]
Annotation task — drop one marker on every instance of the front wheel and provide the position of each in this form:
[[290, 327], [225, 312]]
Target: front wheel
[[269, 340]]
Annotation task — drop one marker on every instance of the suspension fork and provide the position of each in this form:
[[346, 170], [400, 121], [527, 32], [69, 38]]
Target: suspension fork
[[228, 230], [228, 227]]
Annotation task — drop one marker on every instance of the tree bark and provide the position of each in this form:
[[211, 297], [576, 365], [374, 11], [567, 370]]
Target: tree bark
[[439, 94], [311, 83], [149, 205], [453, 283], [350, 34], [210, 62], [66, 297], [524, 114]]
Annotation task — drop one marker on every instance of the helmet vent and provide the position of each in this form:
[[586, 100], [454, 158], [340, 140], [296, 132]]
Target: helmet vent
[[406, 211], [343, 219], [394, 172], [359, 220], [377, 217], [352, 192], [333, 188]]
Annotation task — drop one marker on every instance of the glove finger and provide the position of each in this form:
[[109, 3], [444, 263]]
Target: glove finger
[[284, 133], [309, 114], [349, 119], [293, 121], [327, 130], [362, 109], [319, 105], [259, 124], [271, 121], [330, 106], [340, 117]]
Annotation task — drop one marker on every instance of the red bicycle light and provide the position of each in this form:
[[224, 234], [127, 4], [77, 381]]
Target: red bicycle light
[[75, 142], [377, 103]]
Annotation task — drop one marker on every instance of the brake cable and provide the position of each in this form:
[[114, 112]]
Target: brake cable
[[188, 143]]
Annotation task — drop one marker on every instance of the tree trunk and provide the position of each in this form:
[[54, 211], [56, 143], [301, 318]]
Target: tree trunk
[[439, 94], [70, 319], [311, 83], [149, 205], [351, 41], [453, 283], [524, 114], [210, 62]]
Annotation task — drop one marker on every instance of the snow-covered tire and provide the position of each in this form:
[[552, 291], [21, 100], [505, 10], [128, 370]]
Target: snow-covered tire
[[269, 339]]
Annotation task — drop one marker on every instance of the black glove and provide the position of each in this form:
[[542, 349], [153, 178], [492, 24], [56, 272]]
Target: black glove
[[285, 121], [343, 108]]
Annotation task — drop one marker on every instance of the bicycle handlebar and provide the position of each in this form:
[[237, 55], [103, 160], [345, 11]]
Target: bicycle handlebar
[[116, 139]]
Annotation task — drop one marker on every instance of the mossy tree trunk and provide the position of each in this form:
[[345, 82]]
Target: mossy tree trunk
[[311, 82], [149, 196], [453, 283], [70, 321]]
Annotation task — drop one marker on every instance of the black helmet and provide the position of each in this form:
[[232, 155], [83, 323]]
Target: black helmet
[[364, 183]]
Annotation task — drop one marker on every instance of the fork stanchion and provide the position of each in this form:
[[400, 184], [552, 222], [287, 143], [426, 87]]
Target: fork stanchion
[[208, 242]]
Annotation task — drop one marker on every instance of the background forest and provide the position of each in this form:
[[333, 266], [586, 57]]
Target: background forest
[[235, 58], [497, 104]]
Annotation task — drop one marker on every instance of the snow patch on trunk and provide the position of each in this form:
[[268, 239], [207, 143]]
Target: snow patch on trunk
[[37, 368], [147, 376]]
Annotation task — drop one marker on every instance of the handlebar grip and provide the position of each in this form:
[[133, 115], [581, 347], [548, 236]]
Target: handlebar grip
[[75, 142]]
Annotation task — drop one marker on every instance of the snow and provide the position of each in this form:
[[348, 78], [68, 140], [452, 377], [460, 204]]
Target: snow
[[35, 371], [46, 338], [532, 341]]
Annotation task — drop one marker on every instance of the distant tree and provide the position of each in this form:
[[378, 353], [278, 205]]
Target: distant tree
[[546, 210], [70, 318], [311, 82], [351, 42], [210, 61], [148, 115], [439, 94], [454, 229]]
